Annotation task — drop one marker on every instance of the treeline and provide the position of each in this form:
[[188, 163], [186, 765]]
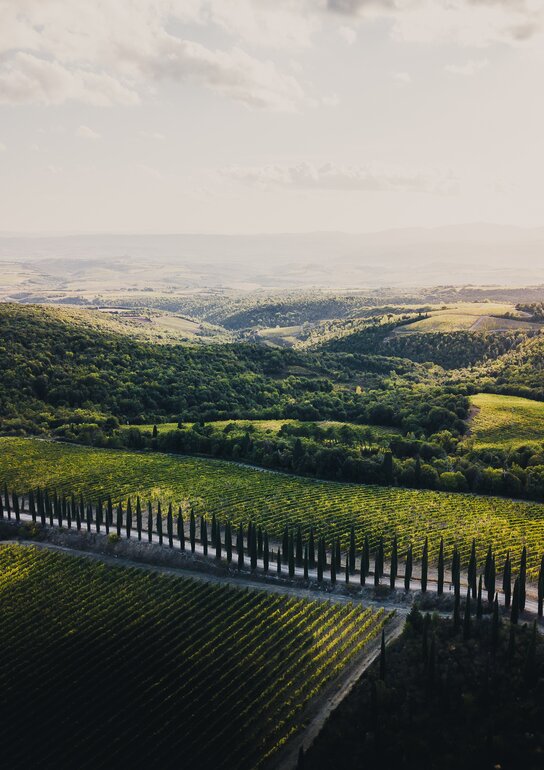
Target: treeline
[[450, 693], [251, 546]]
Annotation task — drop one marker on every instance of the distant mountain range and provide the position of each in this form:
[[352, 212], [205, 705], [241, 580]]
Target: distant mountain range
[[479, 254]]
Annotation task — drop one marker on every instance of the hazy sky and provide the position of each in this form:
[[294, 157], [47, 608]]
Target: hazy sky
[[269, 115]]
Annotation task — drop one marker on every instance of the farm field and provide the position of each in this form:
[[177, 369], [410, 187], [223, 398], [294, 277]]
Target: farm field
[[272, 426], [165, 667], [506, 421], [272, 500], [465, 316]]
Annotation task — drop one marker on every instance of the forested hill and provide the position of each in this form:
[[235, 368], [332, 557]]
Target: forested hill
[[52, 366]]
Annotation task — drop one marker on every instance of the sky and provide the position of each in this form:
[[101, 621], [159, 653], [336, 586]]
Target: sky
[[252, 116]]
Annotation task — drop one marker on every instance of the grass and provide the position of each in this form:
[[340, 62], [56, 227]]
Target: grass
[[506, 421], [272, 500], [118, 665], [466, 315]]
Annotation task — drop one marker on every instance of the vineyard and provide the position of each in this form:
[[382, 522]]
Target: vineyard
[[214, 674], [506, 421], [239, 495]]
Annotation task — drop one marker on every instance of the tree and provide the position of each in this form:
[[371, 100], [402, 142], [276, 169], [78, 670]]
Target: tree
[[440, 576], [382, 658], [170, 526], [149, 522], [192, 530], [119, 522], [456, 613], [425, 565], [352, 549], [278, 562], [378, 563], [139, 518], [129, 518], [228, 541], [213, 529], [466, 619], [266, 551], [479, 608], [514, 613], [291, 556], [487, 567], [98, 512], [408, 568], [366, 556], [319, 562], [259, 542], [285, 543], [541, 588], [218, 543], [507, 580], [159, 522], [491, 582], [311, 549], [181, 530], [333, 567], [31, 506], [204, 535], [252, 547], [155, 431], [495, 623], [306, 562], [472, 568], [456, 571], [16, 508], [7, 505], [298, 551], [240, 547], [394, 564]]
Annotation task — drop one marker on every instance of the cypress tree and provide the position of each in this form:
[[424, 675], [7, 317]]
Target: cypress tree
[[109, 514], [382, 658], [119, 521], [7, 505], [514, 613], [155, 431], [181, 530], [456, 571], [338, 554], [170, 526], [347, 569], [252, 545], [139, 518], [278, 561], [425, 565], [479, 607], [311, 549], [89, 515], [41, 507], [362, 571], [541, 588], [306, 561], [298, 547], [129, 518], [192, 530], [69, 509], [16, 509], [507, 581], [213, 532], [159, 522], [149, 522], [366, 555], [78, 518], [333, 569], [50, 510], [323, 553], [472, 568], [98, 513], [285, 544], [240, 547], [228, 541], [466, 619], [491, 580], [259, 543], [487, 567], [440, 576], [291, 556], [58, 511], [408, 568], [266, 551], [522, 579], [204, 535], [394, 564], [456, 613], [352, 549], [1, 508], [378, 563]]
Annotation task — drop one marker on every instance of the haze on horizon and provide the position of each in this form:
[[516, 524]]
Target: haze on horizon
[[269, 116]]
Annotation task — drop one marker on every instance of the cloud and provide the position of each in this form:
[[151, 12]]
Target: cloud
[[330, 176], [467, 69], [402, 77], [348, 34], [84, 132], [3, 147]]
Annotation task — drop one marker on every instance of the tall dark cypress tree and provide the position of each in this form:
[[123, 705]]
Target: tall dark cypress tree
[[408, 568], [333, 567], [285, 544], [507, 580], [306, 561], [7, 504], [378, 563], [298, 547], [204, 535], [78, 518], [41, 507], [352, 549], [487, 567], [456, 571], [456, 612], [319, 563], [291, 556], [129, 518], [218, 542], [479, 607], [259, 543], [119, 522], [228, 541], [88, 514], [181, 530], [440, 575], [2, 508], [338, 554], [16, 508], [362, 571], [491, 582], [192, 529], [425, 565], [252, 546], [213, 529], [69, 510], [159, 522], [149, 522], [346, 571], [240, 547], [366, 555], [495, 623], [50, 510], [278, 561], [170, 526], [514, 613], [472, 569], [139, 518], [394, 564], [311, 549], [109, 514], [266, 551], [522, 579]]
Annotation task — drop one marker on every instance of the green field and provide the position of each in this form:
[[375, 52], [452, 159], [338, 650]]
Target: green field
[[166, 667], [242, 494], [476, 316], [506, 421]]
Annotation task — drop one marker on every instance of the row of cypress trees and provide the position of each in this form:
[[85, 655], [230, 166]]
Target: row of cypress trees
[[293, 551]]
